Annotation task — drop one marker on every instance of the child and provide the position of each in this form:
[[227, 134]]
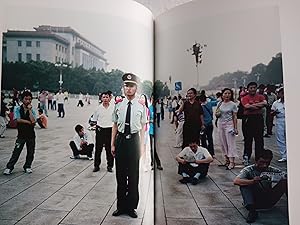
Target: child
[[42, 119]]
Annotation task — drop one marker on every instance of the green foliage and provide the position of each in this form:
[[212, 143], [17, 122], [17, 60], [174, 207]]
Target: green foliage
[[160, 89], [147, 87], [38, 75], [268, 74]]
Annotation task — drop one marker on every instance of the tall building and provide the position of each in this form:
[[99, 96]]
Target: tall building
[[52, 44]]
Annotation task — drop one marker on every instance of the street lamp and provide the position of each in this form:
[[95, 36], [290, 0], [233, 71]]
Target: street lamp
[[197, 51], [235, 86], [257, 76], [60, 66], [244, 80]]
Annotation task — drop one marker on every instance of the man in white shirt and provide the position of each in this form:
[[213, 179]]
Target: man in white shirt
[[193, 163], [60, 104], [82, 143], [103, 119], [80, 100]]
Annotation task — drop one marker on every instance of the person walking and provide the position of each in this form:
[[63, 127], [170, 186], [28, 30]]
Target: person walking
[[60, 104], [129, 119]]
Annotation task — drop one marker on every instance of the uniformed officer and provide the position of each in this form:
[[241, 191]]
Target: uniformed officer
[[129, 119]]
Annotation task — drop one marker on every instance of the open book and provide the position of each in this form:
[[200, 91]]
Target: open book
[[84, 48]]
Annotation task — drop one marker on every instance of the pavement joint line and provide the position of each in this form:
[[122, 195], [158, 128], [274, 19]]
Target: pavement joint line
[[37, 182], [226, 196], [163, 199], [86, 195], [59, 190], [23, 174], [147, 196]]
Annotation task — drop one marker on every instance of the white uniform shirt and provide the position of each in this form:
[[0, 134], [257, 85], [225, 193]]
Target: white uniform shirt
[[138, 117], [103, 116]]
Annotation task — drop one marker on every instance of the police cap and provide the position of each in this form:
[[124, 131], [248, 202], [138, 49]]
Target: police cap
[[130, 78]]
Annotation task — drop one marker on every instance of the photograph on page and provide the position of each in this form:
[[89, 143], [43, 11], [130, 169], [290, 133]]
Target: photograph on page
[[218, 73], [76, 82]]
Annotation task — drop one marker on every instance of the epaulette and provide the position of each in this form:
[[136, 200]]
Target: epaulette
[[118, 99]]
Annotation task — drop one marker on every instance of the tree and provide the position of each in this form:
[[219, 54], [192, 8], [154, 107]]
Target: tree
[[147, 87]]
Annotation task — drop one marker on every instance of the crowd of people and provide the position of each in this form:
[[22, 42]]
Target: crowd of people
[[125, 127], [256, 107]]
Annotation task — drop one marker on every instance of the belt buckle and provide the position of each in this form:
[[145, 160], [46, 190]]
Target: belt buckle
[[128, 136]]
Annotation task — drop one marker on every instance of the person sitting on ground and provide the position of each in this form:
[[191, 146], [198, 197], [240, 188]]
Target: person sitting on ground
[[255, 183], [82, 143], [42, 119], [193, 163]]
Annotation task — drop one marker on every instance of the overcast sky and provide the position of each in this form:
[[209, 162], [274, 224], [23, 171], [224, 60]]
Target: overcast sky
[[121, 28], [237, 37]]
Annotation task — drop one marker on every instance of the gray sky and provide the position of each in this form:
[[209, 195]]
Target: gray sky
[[126, 35], [237, 37]]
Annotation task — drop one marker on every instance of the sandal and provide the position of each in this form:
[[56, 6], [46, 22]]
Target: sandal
[[231, 166], [227, 162]]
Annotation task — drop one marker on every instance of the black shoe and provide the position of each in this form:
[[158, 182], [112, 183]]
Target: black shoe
[[118, 212], [266, 135], [132, 213], [252, 216], [195, 181], [109, 169], [96, 169], [159, 167], [184, 180]]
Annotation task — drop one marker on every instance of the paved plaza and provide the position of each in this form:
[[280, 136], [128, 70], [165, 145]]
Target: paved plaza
[[65, 191]]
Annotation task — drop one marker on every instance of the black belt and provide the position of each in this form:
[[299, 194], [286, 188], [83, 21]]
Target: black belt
[[127, 136]]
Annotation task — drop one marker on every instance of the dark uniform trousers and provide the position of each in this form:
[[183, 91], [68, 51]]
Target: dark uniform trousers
[[103, 138], [127, 171], [254, 129]]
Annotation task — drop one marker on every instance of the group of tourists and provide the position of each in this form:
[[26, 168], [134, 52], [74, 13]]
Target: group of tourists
[[256, 108]]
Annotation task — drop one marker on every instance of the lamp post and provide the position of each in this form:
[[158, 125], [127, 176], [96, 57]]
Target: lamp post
[[235, 87], [244, 80], [257, 76], [197, 51], [60, 66]]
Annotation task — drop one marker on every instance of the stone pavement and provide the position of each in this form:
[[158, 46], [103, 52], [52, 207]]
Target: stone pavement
[[67, 192], [215, 200], [61, 190]]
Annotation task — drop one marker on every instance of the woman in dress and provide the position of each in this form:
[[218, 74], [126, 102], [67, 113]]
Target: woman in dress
[[227, 127]]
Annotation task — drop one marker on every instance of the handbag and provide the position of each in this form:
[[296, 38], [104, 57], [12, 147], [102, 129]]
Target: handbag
[[218, 111]]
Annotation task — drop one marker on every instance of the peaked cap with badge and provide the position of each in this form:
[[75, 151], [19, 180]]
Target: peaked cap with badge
[[130, 78]]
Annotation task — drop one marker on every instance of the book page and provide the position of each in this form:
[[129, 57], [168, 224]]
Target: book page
[[216, 50], [67, 54]]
